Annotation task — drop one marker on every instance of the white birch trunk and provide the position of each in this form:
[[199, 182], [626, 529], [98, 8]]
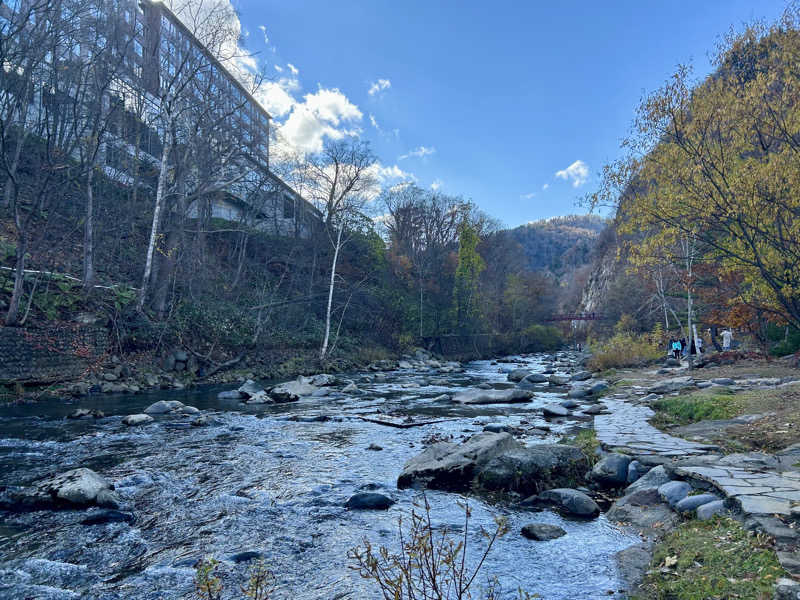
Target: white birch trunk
[[88, 233], [162, 182], [324, 350]]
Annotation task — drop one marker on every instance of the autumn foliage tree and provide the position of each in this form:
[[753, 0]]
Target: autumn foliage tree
[[713, 165]]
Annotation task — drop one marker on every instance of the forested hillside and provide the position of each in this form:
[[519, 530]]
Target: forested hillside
[[559, 244]]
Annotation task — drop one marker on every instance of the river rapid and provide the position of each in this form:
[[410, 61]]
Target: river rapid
[[273, 479]]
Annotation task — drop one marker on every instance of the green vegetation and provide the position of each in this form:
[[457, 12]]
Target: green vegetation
[[625, 349], [682, 410], [586, 440], [701, 560]]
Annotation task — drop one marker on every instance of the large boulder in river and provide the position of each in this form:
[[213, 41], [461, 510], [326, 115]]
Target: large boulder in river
[[74, 489], [518, 374], [511, 396], [611, 471], [450, 466], [249, 388], [528, 470], [292, 391]]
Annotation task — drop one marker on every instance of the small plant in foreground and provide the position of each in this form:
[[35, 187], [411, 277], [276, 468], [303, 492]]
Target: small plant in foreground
[[208, 586], [430, 565]]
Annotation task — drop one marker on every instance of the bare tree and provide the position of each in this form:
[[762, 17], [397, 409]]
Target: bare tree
[[44, 71], [340, 179]]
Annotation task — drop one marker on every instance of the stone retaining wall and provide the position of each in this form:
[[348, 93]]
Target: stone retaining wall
[[49, 355]]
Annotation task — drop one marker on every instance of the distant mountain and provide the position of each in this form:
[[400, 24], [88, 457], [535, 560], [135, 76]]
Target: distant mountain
[[559, 244]]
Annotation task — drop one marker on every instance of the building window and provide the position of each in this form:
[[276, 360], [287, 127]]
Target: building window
[[288, 208]]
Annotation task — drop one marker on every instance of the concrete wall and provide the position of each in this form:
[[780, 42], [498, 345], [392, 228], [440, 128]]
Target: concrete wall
[[44, 356]]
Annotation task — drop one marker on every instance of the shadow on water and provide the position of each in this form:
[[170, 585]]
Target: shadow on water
[[272, 480]]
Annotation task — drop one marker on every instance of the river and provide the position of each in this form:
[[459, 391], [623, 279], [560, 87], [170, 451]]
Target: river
[[272, 479]]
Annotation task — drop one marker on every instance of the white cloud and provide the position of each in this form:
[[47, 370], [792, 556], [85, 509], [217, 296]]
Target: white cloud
[[264, 31], [437, 183], [325, 113], [278, 68], [577, 173], [332, 105], [378, 86], [393, 172], [374, 122], [420, 152], [275, 98], [293, 69], [545, 186], [527, 196]]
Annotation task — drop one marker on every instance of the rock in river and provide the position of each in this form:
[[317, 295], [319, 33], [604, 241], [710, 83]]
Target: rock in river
[[611, 471], [368, 501], [568, 502], [528, 470], [581, 376], [292, 391], [249, 388], [554, 410], [542, 532], [76, 488], [163, 407], [511, 396], [139, 419], [451, 466], [518, 374]]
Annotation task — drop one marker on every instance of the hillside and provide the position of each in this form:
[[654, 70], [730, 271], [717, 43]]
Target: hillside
[[559, 244]]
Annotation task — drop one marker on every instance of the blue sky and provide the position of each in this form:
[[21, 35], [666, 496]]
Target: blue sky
[[491, 101]]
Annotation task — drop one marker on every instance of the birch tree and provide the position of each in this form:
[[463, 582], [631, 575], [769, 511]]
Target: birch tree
[[340, 180]]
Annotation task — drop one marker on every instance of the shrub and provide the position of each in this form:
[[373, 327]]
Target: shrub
[[625, 349], [208, 586], [430, 565]]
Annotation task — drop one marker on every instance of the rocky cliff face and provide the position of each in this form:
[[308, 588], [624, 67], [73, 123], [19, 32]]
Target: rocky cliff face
[[603, 273]]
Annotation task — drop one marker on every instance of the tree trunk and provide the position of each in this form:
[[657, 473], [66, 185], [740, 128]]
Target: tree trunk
[[88, 234], [324, 350], [12, 316], [159, 207]]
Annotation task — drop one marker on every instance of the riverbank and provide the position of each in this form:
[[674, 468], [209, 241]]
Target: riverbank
[[715, 461]]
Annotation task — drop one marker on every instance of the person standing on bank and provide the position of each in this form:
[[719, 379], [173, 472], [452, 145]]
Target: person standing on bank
[[727, 338]]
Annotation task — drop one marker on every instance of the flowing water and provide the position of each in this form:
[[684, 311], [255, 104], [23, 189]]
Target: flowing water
[[271, 479]]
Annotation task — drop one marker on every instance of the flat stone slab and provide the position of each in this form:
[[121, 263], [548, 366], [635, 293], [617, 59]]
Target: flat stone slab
[[626, 426], [751, 492]]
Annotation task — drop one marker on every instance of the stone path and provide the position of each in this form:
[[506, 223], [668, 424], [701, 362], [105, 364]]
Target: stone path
[[751, 492], [627, 427], [764, 489]]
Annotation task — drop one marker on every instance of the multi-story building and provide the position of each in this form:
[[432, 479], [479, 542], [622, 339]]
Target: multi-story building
[[165, 77]]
